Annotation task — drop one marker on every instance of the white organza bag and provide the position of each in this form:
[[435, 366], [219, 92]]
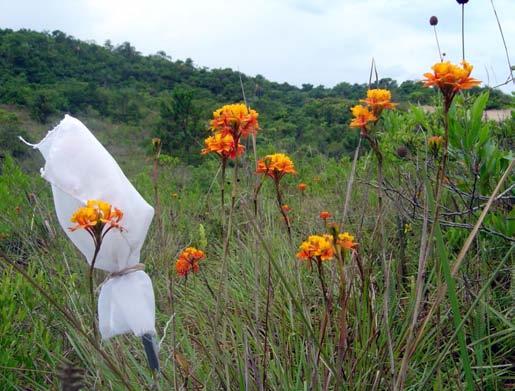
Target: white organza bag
[[79, 168]]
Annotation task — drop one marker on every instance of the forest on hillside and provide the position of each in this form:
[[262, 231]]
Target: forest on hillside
[[52, 73]]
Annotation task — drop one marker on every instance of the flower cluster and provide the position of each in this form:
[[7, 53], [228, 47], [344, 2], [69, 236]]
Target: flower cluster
[[230, 123], [236, 119], [434, 143], [188, 261], [276, 166], [324, 247], [286, 208], [377, 100], [450, 79], [223, 145], [319, 247], [95, 216], [346, 241], [362, 116], [302, 187], [324, 215]]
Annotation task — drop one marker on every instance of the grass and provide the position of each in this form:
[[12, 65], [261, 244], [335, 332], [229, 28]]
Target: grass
[[255, 321]]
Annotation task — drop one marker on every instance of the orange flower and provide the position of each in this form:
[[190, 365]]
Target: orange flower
[[182, 267], [346, 241], [96, 215], [435, 142], [286, 208], [276, 166], [379, 100], [223, 145], [188, 261], [302, 187], [324, 215], [362, 116], [236, 119], [156, 145], [450, 79], [317, 247]]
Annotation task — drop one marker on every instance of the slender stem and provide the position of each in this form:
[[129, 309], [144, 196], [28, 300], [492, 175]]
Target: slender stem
[[155, 179], [327, 314], [207, 285], [248, 108], [222, 287], [171, 295], [281, 209], [98, 243], [342, 317], [222, 194], [350, 183], [322, 283], [386, 265], [256, 193], [504, 43], [419, 294], [473, 195], [463, 31], [443, 165], [438, 44], [267, 312]]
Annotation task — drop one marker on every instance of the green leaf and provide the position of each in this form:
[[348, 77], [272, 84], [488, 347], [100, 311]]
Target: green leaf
[[476, 112], [443, 256]]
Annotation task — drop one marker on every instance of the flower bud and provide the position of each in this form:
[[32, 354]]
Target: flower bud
[[433, 20], [402, 152]]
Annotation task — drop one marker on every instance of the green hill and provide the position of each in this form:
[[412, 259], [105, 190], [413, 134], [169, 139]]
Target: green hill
[[49, 74]]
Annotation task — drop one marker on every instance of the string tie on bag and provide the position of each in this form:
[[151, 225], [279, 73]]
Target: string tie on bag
[[128, 270]]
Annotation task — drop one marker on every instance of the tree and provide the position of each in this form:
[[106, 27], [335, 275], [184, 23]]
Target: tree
[[10, 129], [44, 104], [179, 124]]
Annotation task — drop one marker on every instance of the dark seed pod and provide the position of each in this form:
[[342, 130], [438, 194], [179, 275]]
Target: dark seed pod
[[433, 20], [462, 1], [71, 377], [402, 152]]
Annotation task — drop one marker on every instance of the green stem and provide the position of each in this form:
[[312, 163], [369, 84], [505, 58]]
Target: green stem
[[281, 209], [98, 243]]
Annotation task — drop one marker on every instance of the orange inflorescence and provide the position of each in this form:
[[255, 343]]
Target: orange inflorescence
[[324, 215], [450, 78], [286, 208], [236, 119], [362, 116], [435, 142], [223, 145], [378, 100], [276, 166], [302, 186], [346, 241], [319, 247], [96, 215], [188, 261]]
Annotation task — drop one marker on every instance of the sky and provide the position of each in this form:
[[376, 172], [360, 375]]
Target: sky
[[295, 41]]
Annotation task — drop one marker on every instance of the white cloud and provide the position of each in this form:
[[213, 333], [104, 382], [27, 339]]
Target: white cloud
[[299, 41]]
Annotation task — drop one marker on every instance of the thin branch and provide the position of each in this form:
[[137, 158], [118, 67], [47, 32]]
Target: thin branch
[[505, 46]]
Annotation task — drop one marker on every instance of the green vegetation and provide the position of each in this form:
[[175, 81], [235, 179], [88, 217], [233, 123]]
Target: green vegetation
[[252, 318], [53, 73]]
